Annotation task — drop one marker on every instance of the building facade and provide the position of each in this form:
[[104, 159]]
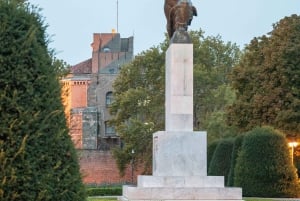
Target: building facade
[[88, 92]]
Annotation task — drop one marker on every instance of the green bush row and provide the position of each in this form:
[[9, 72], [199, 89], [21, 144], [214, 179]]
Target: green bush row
[[104, 191], [259, 161]]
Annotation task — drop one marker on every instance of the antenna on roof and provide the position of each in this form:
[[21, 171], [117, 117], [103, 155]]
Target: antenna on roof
[[117, 16]]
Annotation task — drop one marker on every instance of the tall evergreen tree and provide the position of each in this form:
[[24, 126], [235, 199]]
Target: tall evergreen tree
[[267, 80], [37, 157]]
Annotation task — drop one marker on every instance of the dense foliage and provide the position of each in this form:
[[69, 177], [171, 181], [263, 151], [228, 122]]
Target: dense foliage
[[211, 147], [37, 157], [237, 146], [213, 61], [267, 80], [138, 108], [105, 191], [139, 97], [264, 167], [221, 160]]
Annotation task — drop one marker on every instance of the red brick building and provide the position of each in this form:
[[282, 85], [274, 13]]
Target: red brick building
[[87, 94]]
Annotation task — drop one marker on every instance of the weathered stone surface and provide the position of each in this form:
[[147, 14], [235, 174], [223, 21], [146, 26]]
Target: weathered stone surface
[[178, 153], [180, 181], [89, 128], [179, 193], [181, 36], [179, 88]]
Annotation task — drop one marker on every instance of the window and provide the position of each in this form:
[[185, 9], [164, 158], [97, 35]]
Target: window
[[106, 49], [109, 98], [109, 130], [111, 71]]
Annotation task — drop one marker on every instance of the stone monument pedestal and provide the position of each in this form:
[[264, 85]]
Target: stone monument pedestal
[[179, 153]]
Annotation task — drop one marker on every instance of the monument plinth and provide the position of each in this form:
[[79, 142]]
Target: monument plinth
[[179, 153]]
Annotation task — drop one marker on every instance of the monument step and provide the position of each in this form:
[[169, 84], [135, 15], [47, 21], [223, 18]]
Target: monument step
[[180, 181], [180, 193], [125, 199]]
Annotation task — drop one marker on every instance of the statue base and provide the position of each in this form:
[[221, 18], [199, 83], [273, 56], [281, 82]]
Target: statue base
[[181, 36]]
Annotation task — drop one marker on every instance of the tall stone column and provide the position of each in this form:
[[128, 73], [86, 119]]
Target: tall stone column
[[174, 150], [179, 87]]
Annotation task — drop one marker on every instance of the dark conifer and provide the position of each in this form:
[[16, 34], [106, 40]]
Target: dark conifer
[[37, 157]]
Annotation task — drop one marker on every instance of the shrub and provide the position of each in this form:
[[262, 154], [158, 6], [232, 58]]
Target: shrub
[[264, 167], [297, 159], [38, 161], [104, 191], [210, 151], [237, 145], [220, 162]]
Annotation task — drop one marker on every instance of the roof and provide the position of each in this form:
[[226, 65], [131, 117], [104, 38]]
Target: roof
[[83, 67]]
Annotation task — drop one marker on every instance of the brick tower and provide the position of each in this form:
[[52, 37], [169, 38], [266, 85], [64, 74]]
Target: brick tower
[[88, 91]]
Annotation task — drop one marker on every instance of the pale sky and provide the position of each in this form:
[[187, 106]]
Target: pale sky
[[73, 22]]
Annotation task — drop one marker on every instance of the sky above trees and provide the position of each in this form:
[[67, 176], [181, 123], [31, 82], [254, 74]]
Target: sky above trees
[[72, 23]]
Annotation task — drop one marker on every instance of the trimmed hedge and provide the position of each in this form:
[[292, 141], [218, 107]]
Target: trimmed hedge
[[237, 146], [104, 191], [221, 160], [211, 150], [264, 167]]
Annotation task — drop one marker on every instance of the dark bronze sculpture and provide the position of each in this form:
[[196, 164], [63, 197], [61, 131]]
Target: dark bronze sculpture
[[179, 14]]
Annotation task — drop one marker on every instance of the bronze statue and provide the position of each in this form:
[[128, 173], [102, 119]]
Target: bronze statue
[[179, 14]]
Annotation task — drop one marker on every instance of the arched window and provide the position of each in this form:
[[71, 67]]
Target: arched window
[[109, 98]]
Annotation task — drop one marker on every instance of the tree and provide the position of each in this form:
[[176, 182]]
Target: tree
[[138, 107], [213, 61], [264, 167], [37, 157], [139, 94], [267, 81]]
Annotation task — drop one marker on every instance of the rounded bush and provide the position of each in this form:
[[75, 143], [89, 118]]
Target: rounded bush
[[220, 162], [237, 146], [210, 151], [264, 167]]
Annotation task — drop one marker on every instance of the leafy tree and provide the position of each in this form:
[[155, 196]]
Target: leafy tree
[[213, 61], [267, 80], [139, 94], [138, 107], [62, 68], [264, 167], [37, 157], [215, 122]]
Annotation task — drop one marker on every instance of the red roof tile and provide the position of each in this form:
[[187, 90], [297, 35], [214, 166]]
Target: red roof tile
[[83, 67]]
